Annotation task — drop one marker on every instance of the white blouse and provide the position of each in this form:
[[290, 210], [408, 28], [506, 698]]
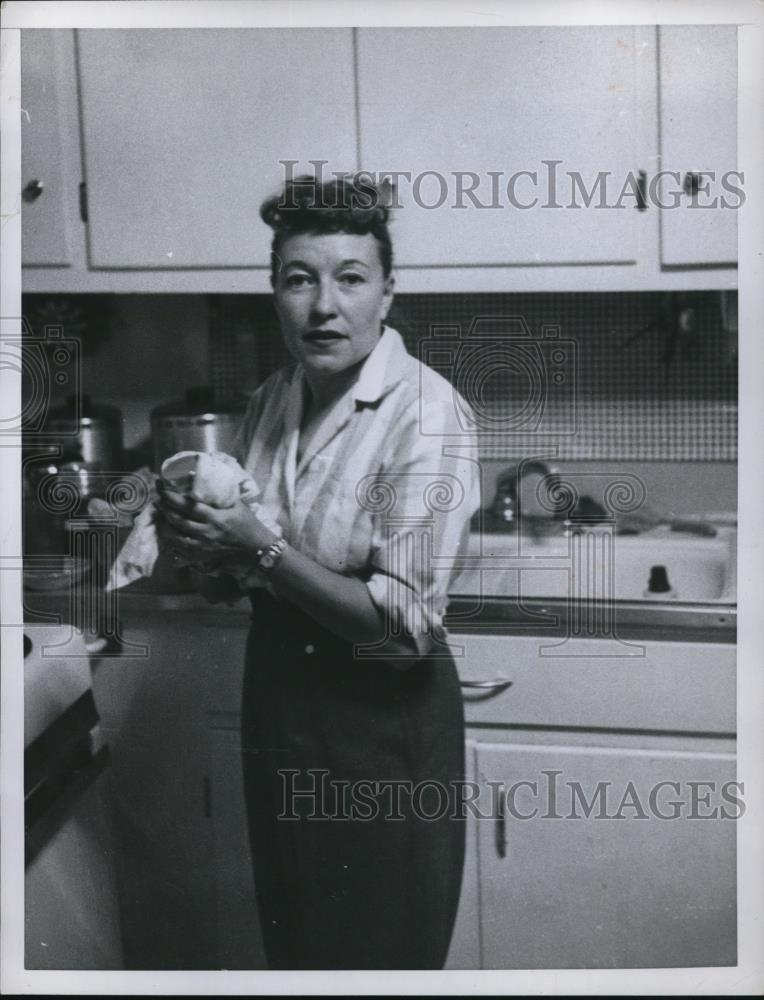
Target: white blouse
[[385, 489]]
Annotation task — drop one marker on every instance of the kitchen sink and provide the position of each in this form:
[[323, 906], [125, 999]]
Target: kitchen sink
[[597, 564]]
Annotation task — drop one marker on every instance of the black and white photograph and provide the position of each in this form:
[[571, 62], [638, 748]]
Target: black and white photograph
[[380, 432]]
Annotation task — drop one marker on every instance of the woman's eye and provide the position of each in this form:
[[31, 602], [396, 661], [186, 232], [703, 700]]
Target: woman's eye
[[296, 280]]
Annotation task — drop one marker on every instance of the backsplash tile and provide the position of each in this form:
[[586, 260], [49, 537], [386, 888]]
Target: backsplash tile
[[647, 376], [643, 375]]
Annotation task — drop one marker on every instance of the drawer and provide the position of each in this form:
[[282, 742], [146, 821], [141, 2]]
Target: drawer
[[665, 686], [672, 686]]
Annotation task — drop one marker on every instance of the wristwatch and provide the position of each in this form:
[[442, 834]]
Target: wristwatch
[[268, 557]]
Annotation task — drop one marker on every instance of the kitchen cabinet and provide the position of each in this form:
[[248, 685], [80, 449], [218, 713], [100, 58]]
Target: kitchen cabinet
[[464, 950], [513, 102], [239, 939], [621, 887], [174, 718], [151, 705], [698, 136], [584, 858], [184, 131], [49, 146], [178, 136]]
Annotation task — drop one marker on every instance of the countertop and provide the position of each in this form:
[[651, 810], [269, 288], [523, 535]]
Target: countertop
[[665, 620]]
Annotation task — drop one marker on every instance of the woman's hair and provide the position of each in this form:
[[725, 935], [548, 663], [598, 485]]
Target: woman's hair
[[344, 204]]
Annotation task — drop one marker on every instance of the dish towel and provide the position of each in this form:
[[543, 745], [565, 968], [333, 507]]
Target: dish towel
[[213, 478]]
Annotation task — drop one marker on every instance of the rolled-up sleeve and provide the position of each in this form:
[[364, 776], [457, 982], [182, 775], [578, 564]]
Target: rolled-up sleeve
[[425, 497]]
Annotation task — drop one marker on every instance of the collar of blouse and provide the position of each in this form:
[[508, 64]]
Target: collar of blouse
[[380, 372]]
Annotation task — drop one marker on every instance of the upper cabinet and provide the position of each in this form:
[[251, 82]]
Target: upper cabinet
[[524, 158], [185, 132], [503, 134], [698, 143], [48, 125]]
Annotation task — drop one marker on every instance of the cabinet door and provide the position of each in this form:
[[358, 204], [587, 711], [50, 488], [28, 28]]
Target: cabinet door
[[698, 134], [153, 714], [464, 951], [501, 101], [47, 62], [237, 925], [184, 131], [603, 891]]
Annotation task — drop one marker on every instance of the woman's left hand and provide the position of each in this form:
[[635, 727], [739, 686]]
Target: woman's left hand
[[205, 533]]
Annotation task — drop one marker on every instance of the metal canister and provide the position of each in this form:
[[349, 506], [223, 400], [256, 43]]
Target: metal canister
[[197, 423], [89, 433]]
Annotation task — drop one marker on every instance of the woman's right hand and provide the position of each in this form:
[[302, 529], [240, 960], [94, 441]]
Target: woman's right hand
[[206, 534]]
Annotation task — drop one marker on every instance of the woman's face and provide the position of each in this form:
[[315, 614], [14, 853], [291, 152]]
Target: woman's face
[[331, 298]]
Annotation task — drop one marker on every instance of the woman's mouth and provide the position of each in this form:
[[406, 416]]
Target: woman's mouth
[[323, 337]]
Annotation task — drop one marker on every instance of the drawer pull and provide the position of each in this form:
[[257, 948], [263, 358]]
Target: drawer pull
[[500, 684]]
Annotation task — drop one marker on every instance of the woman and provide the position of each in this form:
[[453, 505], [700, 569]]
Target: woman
[[352, 724]]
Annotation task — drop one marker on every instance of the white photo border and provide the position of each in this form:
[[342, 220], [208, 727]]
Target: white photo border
[[748, 976]]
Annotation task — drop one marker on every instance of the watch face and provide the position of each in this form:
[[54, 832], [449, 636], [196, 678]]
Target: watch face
[[271, 555]]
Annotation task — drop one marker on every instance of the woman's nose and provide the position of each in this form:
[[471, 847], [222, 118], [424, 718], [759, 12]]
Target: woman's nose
[[324, 301]]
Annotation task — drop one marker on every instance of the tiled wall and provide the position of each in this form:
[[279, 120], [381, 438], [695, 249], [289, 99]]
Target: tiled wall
[[642, 376], [645, 376]]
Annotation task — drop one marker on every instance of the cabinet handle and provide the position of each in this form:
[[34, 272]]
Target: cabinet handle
[[642, 191], [501, 832], [32, 191], [83, 189], [500, 684], [207, 797]]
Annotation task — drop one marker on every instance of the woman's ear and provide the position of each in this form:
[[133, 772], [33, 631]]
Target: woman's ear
[[387, 296]]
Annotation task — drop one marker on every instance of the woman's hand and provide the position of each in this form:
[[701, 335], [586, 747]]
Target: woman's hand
[[204, 535], [209, 534]]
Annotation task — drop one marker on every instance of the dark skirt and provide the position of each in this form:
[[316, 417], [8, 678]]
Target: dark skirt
[[363, 870]]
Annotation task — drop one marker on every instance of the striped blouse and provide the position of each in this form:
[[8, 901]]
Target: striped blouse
[[385, 489]]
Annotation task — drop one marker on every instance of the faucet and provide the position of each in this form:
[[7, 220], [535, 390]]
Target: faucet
[[507, 504]]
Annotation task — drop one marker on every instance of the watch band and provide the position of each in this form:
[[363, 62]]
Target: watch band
[[268, 557]]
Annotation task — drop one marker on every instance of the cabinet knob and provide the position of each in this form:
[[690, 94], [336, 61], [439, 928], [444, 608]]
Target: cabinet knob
[[32, 191]]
